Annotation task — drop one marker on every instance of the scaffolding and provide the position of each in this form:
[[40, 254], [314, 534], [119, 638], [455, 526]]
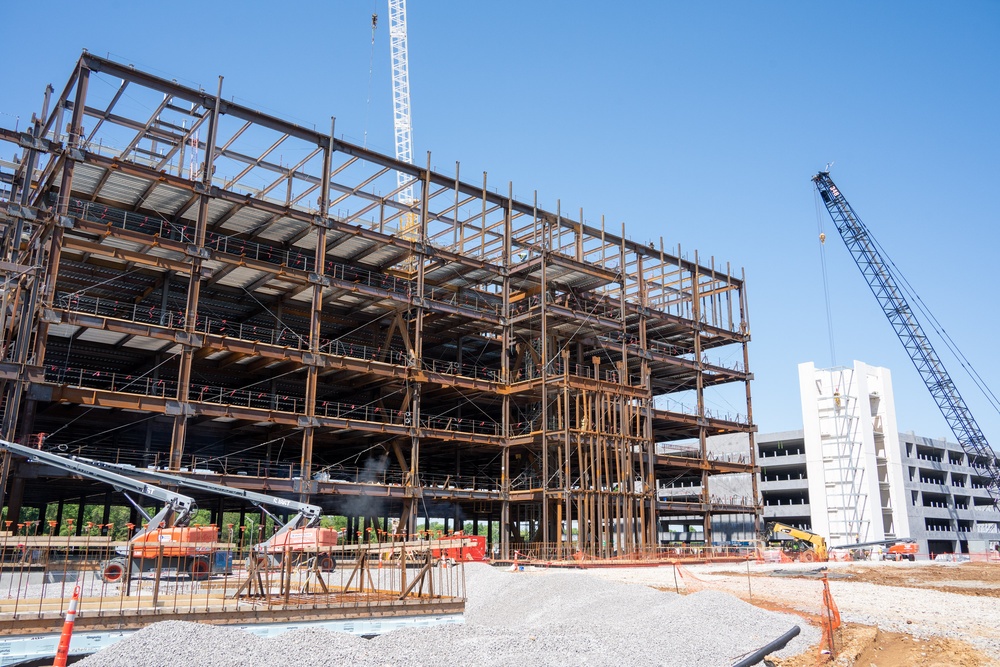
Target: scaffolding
[[843, 448], [196, 285]]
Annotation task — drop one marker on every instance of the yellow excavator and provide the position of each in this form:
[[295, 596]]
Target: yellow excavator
[[808, 548]]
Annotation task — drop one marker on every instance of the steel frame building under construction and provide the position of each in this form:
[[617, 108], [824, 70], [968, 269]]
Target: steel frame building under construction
[[178, 291]]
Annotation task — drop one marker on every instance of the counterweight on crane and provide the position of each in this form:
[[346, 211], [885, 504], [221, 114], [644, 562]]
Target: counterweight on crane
[[882, 281]]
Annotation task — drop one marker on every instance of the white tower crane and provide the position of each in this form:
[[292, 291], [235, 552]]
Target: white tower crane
[[401, 96]]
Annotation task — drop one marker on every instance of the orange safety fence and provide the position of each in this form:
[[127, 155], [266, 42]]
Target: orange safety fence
[[831, 619], [845, 555]]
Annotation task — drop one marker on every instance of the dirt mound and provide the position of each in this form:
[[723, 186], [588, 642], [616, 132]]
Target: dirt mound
[[863, 646]]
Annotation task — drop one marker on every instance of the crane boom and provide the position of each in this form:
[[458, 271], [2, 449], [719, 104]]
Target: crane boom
[[401, 96], [883, 284]]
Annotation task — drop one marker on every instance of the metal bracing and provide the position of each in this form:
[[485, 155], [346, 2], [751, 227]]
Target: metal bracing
[[501, 362], [889, 291], [401, 95]]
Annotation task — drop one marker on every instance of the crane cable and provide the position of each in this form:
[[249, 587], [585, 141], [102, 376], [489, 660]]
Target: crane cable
[[919, 305], [826, 280], [937, 327], [371, 67]]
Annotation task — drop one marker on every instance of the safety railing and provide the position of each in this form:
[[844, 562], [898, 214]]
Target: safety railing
[[557, 367], [253, 398], [263, 252], [585, 309], [665, 404], [477, 371], [375, 472], [285, 337]]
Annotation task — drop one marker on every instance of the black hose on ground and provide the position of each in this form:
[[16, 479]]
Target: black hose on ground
[[762, 652]]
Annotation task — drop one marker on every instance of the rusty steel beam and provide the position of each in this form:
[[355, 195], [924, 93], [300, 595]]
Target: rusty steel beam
[[583, 477]]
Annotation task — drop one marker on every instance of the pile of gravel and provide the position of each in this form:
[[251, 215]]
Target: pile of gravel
[[541, 617]]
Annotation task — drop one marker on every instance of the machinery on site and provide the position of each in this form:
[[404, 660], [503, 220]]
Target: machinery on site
[[881, 277], [895, 549], [300, 535], [165, 539], [807, 547], [902, 551], [468, 547]]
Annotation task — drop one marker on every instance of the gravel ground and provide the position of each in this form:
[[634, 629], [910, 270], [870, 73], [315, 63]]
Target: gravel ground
[[535, 617], [921, 612]]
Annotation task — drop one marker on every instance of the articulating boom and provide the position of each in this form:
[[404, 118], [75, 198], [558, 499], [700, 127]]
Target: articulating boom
[[177, 508], [167, 539], [883, 284], [306, 515]]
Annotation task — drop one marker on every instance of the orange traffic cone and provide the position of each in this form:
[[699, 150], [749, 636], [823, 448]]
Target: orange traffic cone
[[62, 652]]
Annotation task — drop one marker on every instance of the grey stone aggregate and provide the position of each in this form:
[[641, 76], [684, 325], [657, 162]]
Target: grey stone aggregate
[[530, 618]]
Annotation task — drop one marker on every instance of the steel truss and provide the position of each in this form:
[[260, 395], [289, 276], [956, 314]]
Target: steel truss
[[263, 320]]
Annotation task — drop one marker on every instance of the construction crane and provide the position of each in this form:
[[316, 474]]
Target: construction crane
[[881, 279], [165, 538], [300, 534], [401, 97]]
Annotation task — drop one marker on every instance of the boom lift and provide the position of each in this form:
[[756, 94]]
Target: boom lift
[[300, 534], [883, 284], [817, 549], [165, 537], [901, 549]]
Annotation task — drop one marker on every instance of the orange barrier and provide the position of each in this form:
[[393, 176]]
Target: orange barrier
[[62, 651], [831, 619]]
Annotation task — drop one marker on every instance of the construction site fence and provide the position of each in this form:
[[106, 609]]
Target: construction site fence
[[38, 575], [561, 553], [991, 556]]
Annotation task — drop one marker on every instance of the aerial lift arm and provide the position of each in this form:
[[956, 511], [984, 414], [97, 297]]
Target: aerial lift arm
[[306, 515], [890, 297], [177, 508]]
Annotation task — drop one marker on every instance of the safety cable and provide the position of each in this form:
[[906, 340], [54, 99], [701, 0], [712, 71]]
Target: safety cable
[[907, 288], [826, 279], [371, 67]]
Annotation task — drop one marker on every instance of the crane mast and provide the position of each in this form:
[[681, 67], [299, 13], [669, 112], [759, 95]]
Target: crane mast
[[883, 284], [401, 97]]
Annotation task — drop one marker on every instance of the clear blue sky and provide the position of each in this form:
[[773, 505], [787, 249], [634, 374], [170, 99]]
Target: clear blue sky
[[700, 122]]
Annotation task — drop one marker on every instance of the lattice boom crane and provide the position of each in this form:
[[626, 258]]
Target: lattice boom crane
[[884, 286]]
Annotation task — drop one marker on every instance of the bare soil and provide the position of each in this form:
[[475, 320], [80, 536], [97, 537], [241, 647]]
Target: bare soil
[[864, 646], [977, 579]]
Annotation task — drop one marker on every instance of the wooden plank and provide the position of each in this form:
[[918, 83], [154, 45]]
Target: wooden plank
[[55, 541]]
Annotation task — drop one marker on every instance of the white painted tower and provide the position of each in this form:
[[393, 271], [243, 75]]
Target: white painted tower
[[852, 453]]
